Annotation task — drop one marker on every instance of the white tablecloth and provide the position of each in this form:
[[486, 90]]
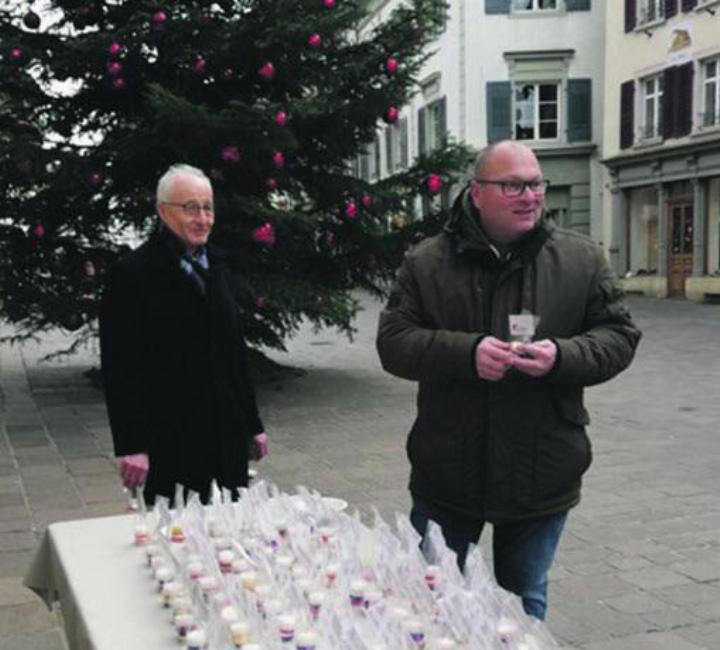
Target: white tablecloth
[[99, 577]]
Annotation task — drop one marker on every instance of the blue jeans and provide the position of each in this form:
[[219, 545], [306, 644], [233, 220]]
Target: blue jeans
[[522, 551]]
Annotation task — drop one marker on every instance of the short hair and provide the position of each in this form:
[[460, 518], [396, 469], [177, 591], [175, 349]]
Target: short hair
[[173, 172], [486, 153]]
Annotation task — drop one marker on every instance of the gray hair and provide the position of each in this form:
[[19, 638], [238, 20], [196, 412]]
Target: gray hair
[[174, 172]]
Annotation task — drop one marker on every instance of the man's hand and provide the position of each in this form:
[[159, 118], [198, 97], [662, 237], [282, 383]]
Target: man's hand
[[134, 469], [535, 359], [259, 448], [493, 357]]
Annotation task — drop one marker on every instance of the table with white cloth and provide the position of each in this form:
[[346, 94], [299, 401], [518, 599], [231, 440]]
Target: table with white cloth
[[96, 573]]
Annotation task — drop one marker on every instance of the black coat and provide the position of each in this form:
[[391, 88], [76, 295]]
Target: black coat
[[174, 369], [516, 448]]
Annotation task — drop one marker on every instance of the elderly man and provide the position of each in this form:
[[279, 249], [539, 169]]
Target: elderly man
[[181, 405], [503, 321]]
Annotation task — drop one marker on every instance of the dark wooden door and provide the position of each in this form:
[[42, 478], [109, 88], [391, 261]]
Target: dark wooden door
[[681, 247]]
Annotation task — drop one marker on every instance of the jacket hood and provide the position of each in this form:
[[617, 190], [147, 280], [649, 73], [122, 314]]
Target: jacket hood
[[464, 227]]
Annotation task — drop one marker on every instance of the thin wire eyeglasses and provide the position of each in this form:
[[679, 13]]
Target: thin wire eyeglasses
[[516, 188], [191, 208]]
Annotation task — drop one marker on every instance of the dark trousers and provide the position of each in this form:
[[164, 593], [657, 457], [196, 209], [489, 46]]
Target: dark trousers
[[522, 551]]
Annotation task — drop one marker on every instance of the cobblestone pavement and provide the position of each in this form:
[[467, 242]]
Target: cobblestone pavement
[[639, 564]]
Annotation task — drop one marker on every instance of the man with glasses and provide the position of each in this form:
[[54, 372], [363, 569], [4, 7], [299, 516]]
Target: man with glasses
[[503, 321], [180, 401]]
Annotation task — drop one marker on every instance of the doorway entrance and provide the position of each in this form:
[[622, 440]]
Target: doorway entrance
[[680, 262]]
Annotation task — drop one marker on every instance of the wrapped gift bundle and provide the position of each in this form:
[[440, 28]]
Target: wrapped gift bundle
[[277, 571]]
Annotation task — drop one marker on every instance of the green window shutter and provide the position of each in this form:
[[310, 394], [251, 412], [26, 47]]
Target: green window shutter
[[497, 6], [577, 5], [442, 122], [421, 131], [404, 143], [579, 110], [389, 151], [498, 97]]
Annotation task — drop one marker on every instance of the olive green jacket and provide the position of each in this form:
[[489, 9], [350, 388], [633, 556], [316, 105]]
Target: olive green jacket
[[516, 448]]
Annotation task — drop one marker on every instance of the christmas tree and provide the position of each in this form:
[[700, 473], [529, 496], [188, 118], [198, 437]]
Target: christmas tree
[[274, 99]]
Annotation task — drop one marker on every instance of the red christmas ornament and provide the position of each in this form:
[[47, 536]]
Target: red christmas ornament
[[227, 74], [271, 183], [391, 65], [230, 154], [315, 40], [351, 209], [199, 65], [329, 4], [265, 234], [114, 49], [39, 231], [159, 18], [281, 118], [392, 114], [267, 70], [434, 183], [118, 83], [16, 54], [114, 68], [31, 20], [261, 302], [366, 200], [278, 159], [96, 178]]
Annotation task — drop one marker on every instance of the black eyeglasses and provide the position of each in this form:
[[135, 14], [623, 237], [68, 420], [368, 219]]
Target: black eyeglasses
[[516, 188], [191, 208]]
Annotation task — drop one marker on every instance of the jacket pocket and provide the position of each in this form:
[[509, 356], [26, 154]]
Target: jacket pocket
[[549, 473]]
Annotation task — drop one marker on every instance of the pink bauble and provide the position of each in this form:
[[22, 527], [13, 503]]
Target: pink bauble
[[434, 183], [114, 68], [271, 183], [96, 178], [16, 54], [261, 302], [114, 49], [39, 230], [329, 4], [267, 70], [351, 209], [227, 74], [118, 83], [230, 153], [391, 65], [366, 200], [281, 118], [199, 65], [265, 234], [315, 40], [392, 114], [278, 159], [159, 17]]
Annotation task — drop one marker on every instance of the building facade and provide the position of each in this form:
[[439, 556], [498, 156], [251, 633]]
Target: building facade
[[531, 70], [661, 145]]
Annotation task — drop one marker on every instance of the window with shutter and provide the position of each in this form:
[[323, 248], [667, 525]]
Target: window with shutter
[[498, 98], [668, 103], [671, 8], [627, 114], [630, 15], [577, 5], [689, 5], [683, 99], [433, 126], [497, 6], [710, 117], [579, 113], [534, 5]]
